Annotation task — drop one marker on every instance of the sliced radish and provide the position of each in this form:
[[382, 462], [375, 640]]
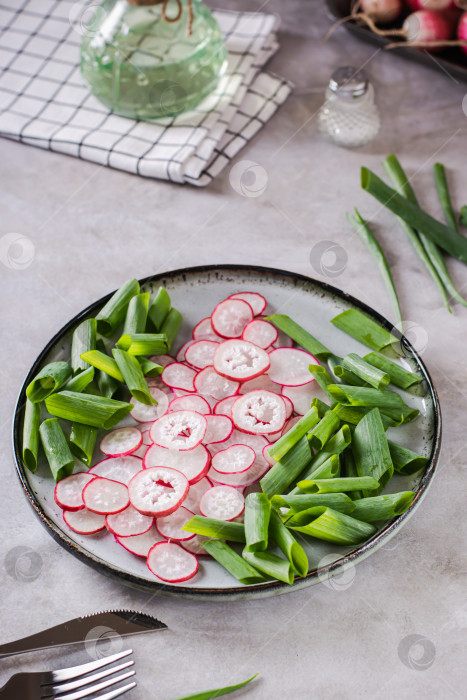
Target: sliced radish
[[230, 317], [84, 522], [194, 464], [208, 381], [302, 396], [289, 366], [179, 376], [180, 430], [141, 544], [243, 479], [257, 302], [162, 360], [146, 414], [222, 503], [261, 382], [288, 405], [204, 331], [240, 360], [224, 407], [219, 429], [195, 494], [141, 451], [190, 402], [120, 469], [290, 424], [283, 341], [158, 491], [261, 333], [105, 496], [170, 562], [267, 456], [121, 442], [194, 545], [259, 412], [257, 442], [129, 522], [181, 354], [170, 526], [200, 354], [68, 493], [234, 459]]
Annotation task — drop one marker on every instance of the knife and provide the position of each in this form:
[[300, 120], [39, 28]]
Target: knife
[[85, 629]]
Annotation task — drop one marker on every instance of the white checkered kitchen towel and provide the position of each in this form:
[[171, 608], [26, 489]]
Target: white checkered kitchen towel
[[44, 102]]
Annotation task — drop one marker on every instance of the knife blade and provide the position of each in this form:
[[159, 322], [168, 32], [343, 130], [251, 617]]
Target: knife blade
[[89, 628]]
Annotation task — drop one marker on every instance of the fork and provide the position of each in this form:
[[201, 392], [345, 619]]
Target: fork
[[71, 683]]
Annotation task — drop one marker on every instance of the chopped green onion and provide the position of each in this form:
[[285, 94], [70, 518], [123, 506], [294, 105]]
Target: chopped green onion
[[87, 409], [217, 692], [342, 375], [364, 329], [144, 343], [270, 565], [292, 436], [233, 562], [300, 336], [104, 363], [257, 514], [463, 215], [371, 451], [350, 471], [323, 461], [370, 374], [366, 396], [399, 415], [337, 501], [288, 545], [82, 442], [452, 242], [329, 469], [150, 369], [84, 339], [287, 469], [133, 376], [323, 378], [382, 507], [320, 406], [331, 525], [49, 379], [107, 385], [398, 375], [159, 308], [404, 460], [80, 381], [354, 414], [339, 485], [363, 230], [171, 326], [321, 433], [221, 529], [32, 414], [136, 314], [56, 448], [114, 311]]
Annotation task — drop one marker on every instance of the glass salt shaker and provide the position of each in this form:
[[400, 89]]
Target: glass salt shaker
[[349, 116]]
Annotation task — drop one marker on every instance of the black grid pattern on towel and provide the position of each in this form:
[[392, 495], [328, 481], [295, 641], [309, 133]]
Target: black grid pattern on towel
[[44, 102]]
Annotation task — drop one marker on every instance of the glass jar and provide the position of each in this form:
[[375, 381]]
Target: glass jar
[[152, 58]]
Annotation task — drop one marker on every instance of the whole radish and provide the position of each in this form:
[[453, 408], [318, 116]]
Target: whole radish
[[438, 5], [462, 30], [382, 11], [425, 26]]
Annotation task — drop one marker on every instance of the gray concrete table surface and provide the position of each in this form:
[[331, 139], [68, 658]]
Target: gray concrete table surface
[[92, 228]]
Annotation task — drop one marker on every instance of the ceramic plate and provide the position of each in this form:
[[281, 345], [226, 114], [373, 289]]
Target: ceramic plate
[[195, 292]]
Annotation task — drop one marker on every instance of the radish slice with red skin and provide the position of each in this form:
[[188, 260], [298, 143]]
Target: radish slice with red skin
[[257, 442], [128, 523], [302, 396], [200, 354], [267, 456], [257, 302], [289, 409], [224, 407], [190, 402], [162, 360], [146, 414], [158, 491], [105, 496], [141, 451], [261, 333], [194, 545], [259, 412], [121, 469], [240, 481], [157, 383], [208, 381], [283, 341], [180, 430], [240, 360], [261, 382], [230, 317], [171, 525], [140, 544], [219, 429], [289, 366], [68, 493], [204, 331], [121, 442], [181, 354], [171, 563], [84, 522], [194, 464], [195, 494], [222, 503], [179, 376], [233, 460]]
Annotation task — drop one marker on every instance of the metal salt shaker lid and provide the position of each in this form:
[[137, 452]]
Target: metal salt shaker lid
[[349, 82]]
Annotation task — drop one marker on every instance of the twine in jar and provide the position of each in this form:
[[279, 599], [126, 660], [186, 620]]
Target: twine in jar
[[165, 16]]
